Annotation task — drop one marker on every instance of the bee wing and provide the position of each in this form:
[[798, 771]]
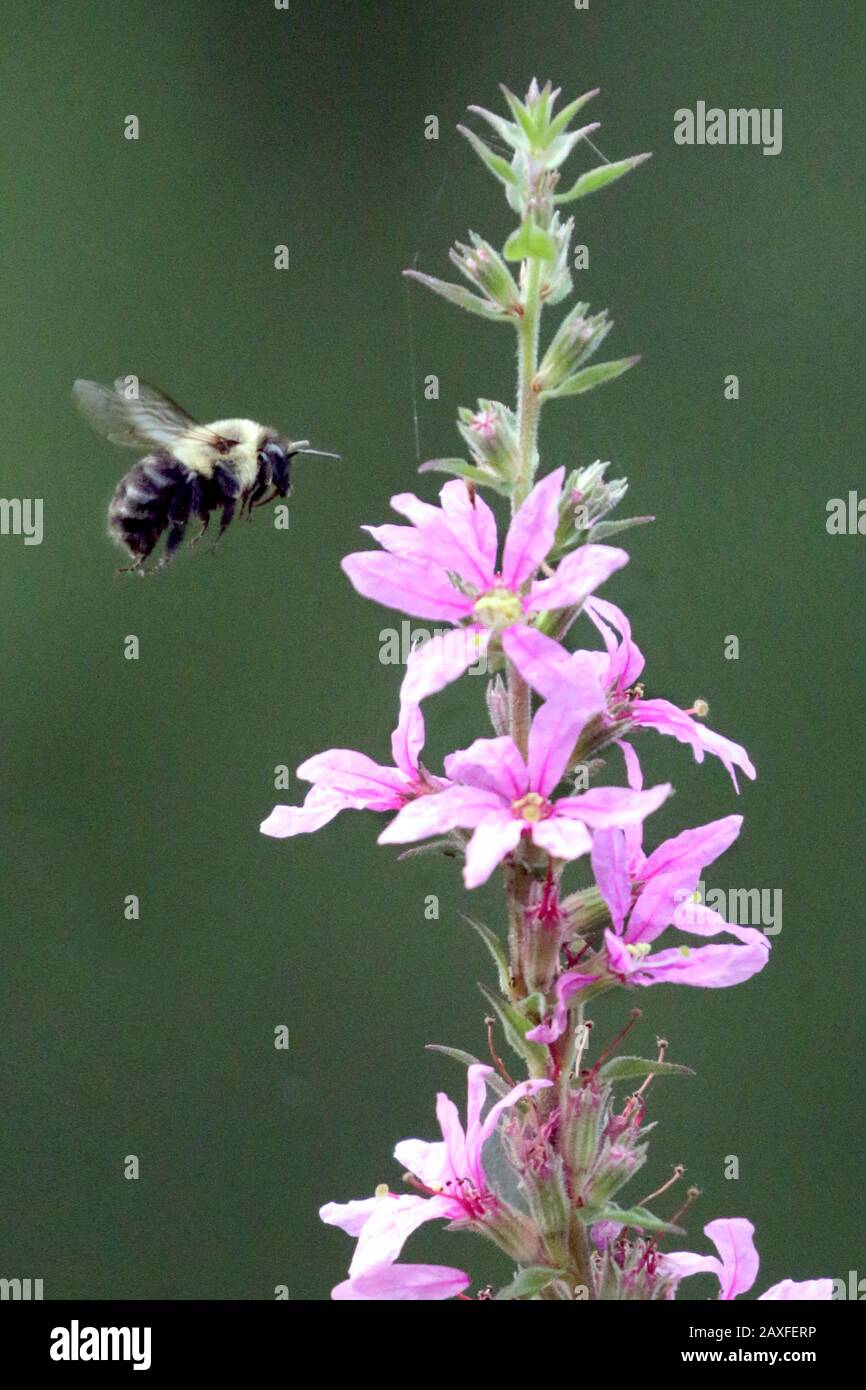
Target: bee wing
[[133, 413]]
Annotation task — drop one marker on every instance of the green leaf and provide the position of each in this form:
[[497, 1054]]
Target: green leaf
[[446, 847], [603, 529], [495, 1082], [558, 124], [456, 294], [529, 1282], [506, 130], [622, 1068], [630, 1216], [595, 179], [589, 378], [497, 951], [459, 468], [529, 240], [516, 1026], [499, 167], [520, 114]]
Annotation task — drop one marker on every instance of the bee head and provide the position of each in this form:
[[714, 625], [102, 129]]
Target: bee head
[[275, 461]]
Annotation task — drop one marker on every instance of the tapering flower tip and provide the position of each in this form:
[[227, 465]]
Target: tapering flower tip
[[491, 434], [485, 268], [496, 699]]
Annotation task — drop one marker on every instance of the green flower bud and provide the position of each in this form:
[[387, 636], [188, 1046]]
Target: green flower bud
[[576, 340], [485, 268], [491, 435]]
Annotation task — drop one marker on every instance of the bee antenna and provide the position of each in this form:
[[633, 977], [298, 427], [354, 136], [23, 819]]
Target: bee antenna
[[320, 453]]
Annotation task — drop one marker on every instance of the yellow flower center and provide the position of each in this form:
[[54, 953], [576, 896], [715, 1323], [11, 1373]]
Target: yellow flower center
[[638, 949], [531, 807], [498, 609]]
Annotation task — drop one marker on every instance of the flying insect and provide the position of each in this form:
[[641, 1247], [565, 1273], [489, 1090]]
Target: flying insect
[[191, 470]]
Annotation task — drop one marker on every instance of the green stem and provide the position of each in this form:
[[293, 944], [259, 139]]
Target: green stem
[[528, 410], [528, 401]]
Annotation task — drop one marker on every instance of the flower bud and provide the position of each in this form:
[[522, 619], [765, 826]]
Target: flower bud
[[587, 498], [617, 1164], [574, 343], [486, 269], [491, 435], [549, 1202], [496, 699], [557, 282], [582, 1125]]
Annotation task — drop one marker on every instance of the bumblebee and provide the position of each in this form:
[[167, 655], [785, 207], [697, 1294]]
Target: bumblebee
[[192, 470]]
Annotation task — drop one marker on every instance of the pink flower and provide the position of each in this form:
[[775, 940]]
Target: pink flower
[[450, 1171], [737, 1265], [644, 896], [345, 780], [444, 567], [550, 669], [501, 798], [655, 893]]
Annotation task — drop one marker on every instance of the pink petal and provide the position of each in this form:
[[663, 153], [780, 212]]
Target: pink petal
[[669, 719], [610, 869], [603, 807], [553, 672], [405, 541], [440, 661], [552, 737], [694, 848], [805, 1289], [626, 658], [473, 526], [404, 1282], [491, 763], [496, 836], [406, 585], [567, 986], [706, 967], [542, 663], [682, 1264], [356, 777], [407, 740], [319, 808], [427, 1161], [734, 1239], [532, 531], [700, 920], [436, 814], [561, 837], [516, 1094], [578, 575], [390, 1224], [451, 540]]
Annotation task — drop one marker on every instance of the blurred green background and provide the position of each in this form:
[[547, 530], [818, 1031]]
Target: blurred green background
[[260, 127]]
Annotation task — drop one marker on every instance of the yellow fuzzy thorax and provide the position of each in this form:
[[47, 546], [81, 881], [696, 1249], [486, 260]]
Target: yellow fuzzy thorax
[[242, 459]]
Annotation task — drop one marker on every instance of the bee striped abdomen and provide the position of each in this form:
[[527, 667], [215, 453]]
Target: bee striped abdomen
[[155, 491]]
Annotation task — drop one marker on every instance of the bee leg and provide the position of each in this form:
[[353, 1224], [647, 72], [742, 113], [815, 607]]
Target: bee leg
[[225, 521], [205, 524], [267, 500], [173, 540], [133, 569], [252, 498]]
